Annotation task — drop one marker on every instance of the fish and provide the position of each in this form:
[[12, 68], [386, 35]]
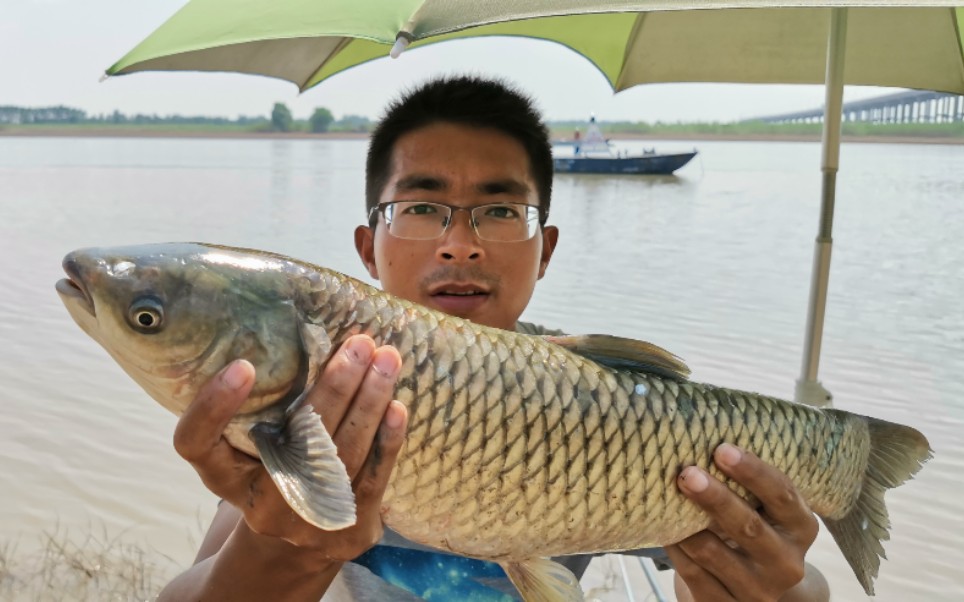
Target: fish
[[519, 447]]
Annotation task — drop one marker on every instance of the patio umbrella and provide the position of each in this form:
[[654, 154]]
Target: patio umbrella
[[909, 44]]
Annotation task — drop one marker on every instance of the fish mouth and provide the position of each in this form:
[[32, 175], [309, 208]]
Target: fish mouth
[[72, 288]]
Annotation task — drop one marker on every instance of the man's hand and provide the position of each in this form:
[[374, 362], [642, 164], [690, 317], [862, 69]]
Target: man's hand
[[748, 554], [353, 396]]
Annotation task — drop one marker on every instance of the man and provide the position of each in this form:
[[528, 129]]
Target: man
[[468, 151]]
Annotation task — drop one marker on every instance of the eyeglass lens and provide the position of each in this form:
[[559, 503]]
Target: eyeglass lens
[[419, 220]]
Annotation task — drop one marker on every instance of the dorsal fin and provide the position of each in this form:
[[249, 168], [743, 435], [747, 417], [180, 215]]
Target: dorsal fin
[[623, 353]]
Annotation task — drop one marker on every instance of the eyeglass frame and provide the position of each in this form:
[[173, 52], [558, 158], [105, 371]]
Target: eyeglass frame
[[380, 208]]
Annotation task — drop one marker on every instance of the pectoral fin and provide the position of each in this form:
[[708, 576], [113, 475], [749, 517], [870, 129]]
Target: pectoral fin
[[301, 457], [303, 462], [543, 580]]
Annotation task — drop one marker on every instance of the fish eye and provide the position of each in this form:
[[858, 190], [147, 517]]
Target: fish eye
[[146, 315]]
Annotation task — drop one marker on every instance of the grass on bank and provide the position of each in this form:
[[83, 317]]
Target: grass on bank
[[173, 129], [159, 128], [95, 567]]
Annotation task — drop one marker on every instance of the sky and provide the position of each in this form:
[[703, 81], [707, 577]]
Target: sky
[[54, 52]]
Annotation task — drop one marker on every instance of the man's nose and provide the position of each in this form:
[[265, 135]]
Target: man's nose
[[459, 242]]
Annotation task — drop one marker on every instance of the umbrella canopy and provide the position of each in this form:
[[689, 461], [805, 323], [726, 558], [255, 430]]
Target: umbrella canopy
[[892, 43]]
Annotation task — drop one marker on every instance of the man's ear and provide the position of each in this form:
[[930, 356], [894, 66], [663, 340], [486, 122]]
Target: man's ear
[[365, 245], [550, 236]]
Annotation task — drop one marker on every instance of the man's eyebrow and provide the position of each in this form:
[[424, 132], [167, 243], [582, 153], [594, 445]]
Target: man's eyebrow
[[415, 182], [506, 186], [420, 182]]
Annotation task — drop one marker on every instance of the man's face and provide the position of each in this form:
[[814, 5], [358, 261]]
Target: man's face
[[487, 282]]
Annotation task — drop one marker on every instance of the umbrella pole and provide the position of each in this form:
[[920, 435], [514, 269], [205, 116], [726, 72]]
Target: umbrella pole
[[809, 390]]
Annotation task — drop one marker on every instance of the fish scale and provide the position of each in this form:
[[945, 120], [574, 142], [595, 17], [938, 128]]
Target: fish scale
[[518, 447], [678, 436]]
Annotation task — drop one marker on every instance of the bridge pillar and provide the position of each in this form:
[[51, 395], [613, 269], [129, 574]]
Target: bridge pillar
[[913, 106]]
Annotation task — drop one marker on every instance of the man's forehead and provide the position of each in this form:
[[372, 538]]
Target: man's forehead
[[444, 156], [423, 181]]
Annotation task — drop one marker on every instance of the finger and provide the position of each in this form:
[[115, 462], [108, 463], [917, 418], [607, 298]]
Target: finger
[[199, 429], [198, 436], [338, 383], [373, 477], [781, 500], [357, 430], [731, 514], [730, 567], [702, 584]]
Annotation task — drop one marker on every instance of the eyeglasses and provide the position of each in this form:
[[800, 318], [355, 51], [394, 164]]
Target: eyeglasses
[[421, 220]]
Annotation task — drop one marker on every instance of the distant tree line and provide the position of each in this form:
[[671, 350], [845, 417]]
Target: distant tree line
[[322, 120], [59, 114], [280, 120]]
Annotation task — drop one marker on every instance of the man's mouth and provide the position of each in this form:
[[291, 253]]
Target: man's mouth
[[458, 290], [460, 293], [458, 299]]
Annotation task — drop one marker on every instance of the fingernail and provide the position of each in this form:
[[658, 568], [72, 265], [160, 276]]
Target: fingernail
[[386, 364], [395, 415], [235, 375], [693, 479], [728, 455], [359, 350]]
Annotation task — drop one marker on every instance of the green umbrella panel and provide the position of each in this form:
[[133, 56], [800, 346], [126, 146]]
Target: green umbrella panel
[[891, 43]]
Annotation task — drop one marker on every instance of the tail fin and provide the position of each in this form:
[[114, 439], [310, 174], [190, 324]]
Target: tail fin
[[897, 452]]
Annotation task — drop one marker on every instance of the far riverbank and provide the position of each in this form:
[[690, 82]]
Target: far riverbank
[[136, 132]]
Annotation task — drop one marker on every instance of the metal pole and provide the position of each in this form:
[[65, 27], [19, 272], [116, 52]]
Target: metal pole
[[650, 576], [808, 389], [626, 583]]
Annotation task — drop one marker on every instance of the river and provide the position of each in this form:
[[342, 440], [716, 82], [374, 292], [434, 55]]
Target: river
[[712, 264]]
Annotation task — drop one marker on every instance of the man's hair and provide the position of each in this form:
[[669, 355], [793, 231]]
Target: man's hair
[[462, 100]]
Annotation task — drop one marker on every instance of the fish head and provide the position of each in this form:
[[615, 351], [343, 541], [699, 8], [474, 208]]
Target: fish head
[[172, 315]]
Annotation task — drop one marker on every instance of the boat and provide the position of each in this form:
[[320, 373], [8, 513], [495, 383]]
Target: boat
[[594, 154], [647, 164]]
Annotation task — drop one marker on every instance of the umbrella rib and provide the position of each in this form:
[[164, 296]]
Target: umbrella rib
[[960, 43], [345, 41], [408, 27], [630, 45]]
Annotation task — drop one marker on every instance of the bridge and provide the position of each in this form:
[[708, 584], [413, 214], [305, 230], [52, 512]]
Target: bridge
[[913, 106]]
